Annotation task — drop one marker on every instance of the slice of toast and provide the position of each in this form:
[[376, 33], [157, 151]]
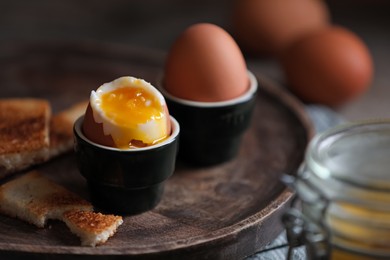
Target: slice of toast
[[92, 228], [24, 133], [35, 199], [61, 129], [29, 136]]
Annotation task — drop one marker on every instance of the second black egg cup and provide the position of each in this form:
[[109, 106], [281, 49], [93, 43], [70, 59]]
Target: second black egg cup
[[211, 132]]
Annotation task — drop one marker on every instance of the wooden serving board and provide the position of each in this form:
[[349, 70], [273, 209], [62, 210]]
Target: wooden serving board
[[227, 211]]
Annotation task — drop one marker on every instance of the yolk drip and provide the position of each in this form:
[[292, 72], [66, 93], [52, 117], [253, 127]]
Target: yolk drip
[[131, 107]]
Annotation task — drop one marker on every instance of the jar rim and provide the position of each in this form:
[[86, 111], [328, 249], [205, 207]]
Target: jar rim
[[363, 133]]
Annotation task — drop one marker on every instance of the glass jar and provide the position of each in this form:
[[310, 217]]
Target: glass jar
[[344, 189]]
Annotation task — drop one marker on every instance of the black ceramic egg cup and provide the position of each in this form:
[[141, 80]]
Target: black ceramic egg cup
[[211, 132], [126, 181]]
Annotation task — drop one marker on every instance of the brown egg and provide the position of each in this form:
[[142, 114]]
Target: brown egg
[[267, 27], [330, 66], [205, 64]]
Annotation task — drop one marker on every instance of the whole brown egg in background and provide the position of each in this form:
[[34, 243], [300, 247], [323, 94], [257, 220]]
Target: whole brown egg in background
[[330, 66], [267, 27]]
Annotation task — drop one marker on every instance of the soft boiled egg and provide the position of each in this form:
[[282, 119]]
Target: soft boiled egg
[[127, 113]]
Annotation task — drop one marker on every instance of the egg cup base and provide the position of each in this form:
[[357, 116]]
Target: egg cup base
[[123, 201]]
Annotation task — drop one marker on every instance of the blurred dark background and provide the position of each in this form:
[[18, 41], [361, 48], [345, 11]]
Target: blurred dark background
[[155, 25]]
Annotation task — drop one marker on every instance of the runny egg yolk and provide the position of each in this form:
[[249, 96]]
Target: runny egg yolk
[[130, 108]]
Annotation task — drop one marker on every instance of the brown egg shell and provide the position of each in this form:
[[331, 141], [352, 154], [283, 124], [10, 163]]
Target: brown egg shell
[[205, 64], [267, 27], [94, 131], [331, 66]]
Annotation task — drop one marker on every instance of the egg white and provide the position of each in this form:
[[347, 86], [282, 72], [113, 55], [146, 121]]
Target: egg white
[[151, 131]]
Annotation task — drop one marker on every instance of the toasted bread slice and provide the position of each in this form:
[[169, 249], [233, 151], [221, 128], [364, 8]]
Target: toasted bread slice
[[92, 228], [29, 136], [24, 133], [35, 199], [61, 129]]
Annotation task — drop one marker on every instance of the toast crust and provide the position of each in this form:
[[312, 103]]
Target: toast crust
[[92, 228], [91, 222]]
